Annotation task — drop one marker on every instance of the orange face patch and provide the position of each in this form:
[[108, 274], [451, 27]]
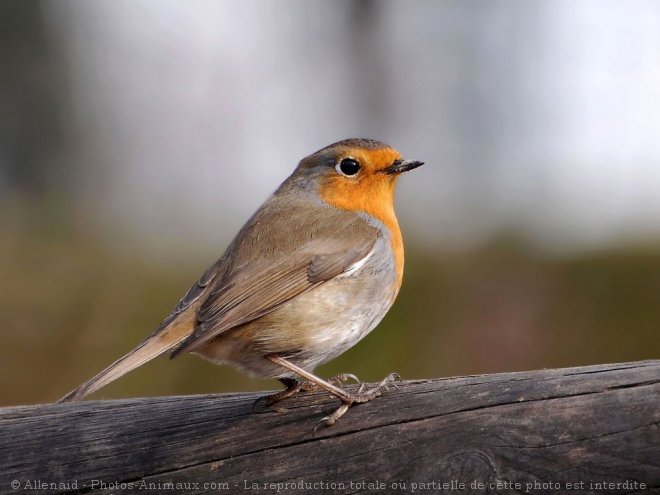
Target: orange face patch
[[370, 191]]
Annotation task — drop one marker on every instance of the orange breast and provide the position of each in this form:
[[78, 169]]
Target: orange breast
[[373, 195]]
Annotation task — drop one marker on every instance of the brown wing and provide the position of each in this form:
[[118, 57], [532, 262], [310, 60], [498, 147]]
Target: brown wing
[[263, 285], [193, 294]]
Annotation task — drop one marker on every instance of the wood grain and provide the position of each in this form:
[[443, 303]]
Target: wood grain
[[550, 431]]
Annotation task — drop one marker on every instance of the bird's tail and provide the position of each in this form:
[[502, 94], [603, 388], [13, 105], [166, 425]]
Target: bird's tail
[[159, 343]]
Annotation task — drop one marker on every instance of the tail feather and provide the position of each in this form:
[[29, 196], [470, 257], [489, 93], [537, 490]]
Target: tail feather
[[159, 343]]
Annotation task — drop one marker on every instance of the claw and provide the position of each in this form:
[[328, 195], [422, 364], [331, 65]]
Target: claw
[[343, 378], [332, 419], [393, 378], [256, 402], [253, 409], [322, 423]]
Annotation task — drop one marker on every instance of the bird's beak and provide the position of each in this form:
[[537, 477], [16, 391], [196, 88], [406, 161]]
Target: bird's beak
[[400, 166]]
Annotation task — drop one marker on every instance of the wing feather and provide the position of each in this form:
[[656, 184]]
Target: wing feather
[[262, 286]]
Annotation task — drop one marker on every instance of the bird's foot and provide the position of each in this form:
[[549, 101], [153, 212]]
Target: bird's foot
[[347, 398], [292, 388], [359, 397]]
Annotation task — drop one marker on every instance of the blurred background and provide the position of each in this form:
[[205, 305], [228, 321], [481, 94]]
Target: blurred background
[[136, 137]]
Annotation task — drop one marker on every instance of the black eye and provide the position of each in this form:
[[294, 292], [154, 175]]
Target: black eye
[[348, 166]]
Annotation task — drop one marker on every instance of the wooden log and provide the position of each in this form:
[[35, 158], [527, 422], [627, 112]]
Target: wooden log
[[591, 429]]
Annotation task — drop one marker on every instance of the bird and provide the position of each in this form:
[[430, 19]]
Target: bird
[[311, 273]]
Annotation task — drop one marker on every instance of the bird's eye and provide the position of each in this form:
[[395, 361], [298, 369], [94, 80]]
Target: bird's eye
[[348, 166]]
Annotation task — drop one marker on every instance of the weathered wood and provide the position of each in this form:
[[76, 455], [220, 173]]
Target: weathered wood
[[540, 430]]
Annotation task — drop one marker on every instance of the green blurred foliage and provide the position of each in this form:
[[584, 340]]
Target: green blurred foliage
[[72, 305]]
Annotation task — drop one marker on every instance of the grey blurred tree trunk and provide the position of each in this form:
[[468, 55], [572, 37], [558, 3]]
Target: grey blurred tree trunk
[[33, 101], [369, 71]]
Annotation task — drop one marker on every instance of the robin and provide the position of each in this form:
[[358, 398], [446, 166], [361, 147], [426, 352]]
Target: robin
[[311, 273]]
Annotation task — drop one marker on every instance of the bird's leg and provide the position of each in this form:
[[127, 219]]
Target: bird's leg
[[292, 385], [347, 398], [309, 386]]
